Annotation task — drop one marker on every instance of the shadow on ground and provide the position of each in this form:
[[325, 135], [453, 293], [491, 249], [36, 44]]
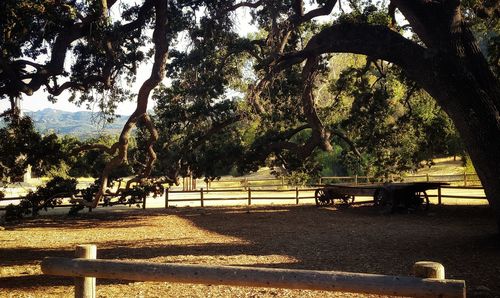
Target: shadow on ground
[[463, 239]]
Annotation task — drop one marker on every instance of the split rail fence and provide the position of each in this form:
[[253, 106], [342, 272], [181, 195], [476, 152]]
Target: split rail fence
[[250, 196], [250, 190], [464, 179], [428, 280]]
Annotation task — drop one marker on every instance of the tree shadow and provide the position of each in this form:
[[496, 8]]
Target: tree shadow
[[463, 239], [42, 280], [83, 221]]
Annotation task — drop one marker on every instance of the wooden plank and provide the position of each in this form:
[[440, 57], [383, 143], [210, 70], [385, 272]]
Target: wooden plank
[[461, 187], [273, 198], [256, 277], [462, 197]]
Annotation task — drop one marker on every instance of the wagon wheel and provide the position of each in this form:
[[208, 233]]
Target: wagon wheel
[[322, 197], [420, 201], [344, 201]]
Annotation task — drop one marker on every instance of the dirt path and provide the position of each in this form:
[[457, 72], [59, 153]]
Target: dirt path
[[359, 239]]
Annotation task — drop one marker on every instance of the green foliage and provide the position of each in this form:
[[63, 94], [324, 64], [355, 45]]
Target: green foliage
[[43, 198], [22, 145], [332, 162], [392, 123], [367, 13], [90, 163]]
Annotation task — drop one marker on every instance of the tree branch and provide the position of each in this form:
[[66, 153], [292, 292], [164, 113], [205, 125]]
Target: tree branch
[[309, 73], [376, 41], [161, 45], [246, 4]]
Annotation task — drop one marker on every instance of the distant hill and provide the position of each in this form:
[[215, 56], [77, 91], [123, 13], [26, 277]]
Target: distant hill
[[81, 124]]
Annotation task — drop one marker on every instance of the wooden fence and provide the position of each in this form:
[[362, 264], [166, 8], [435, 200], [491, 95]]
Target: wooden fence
[[244, 183], [239, 194], [465, 179], [429, 279], [249, 195], [440, 196]]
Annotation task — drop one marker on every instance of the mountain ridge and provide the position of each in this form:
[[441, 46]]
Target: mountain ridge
[[81, 124]]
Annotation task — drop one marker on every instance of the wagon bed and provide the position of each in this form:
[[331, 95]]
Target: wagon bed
[[389, 196]]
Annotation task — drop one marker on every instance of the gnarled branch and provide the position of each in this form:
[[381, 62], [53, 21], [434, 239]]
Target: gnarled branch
[[161, 45]]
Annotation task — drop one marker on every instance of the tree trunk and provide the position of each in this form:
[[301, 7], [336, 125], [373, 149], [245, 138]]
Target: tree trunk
[[474, 111], [467, 90]]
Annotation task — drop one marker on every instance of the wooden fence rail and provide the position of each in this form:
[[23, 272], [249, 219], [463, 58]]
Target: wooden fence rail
[[241, 195], [464, 179], [430, 282]]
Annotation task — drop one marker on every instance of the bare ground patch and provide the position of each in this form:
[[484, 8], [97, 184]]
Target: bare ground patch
[[463, 239]]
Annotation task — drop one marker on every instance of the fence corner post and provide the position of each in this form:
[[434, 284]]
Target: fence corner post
[[428, 269], [85, 286]]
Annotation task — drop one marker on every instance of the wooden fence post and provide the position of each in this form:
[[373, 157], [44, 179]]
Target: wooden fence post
[[166, 197], [296, 195], [249, 197], [465, 179], [85, 286], [201, 197], [144, 202], [427, 269], [282, 181], [356, 179], [90, 208], [33, 208], [427, 177], [439, 195]]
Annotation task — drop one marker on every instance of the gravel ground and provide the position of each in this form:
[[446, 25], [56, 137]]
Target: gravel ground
[[463, 239]]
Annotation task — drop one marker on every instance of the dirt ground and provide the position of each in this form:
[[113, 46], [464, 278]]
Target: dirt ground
[[463, 239]]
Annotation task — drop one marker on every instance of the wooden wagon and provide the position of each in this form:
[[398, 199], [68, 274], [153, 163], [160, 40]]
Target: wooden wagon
[[390, 197]]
